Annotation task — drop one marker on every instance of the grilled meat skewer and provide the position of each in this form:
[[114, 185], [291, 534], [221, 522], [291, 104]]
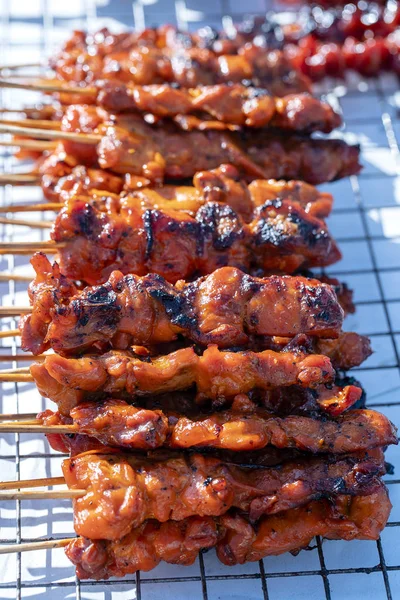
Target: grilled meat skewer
[[225, 308], [116, 423], [61, 182], [280, 238], [216, 374], [122, 490], [236, 540]]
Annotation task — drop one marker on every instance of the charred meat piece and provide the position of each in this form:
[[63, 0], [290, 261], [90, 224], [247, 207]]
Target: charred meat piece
[[280, 238], [236, 539], [224, 308], [122, 490]]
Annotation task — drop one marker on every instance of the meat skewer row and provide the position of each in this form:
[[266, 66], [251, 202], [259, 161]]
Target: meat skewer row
[[163, 150], [207, 107], [226, 308], [280, 237], [215, 374], [61, 182], [94, 239], [187, 67], [121, 491], [239, 429], [235, 539]]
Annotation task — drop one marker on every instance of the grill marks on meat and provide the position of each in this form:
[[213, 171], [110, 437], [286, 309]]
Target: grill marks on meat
[[231, 104], [236, 540], [122, 491], [116, 423], [216, 375], [224, 308], [281, 237]]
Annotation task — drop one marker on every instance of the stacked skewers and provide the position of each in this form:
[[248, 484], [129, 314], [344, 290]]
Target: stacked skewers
[[193, 366]]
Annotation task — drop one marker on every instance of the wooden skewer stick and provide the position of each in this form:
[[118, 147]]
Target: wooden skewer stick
[[28, 547], [43, 86], [41, 495], [9, 333], [21, 357], [26, 223], [45, 134], [15, 277], [16, 377], [14, 417], [14, 370], [21, 179], [32, 123], [15, 208], [20, 66], [31, 483], [35, 145], [29, 427], [14, 311], [29, 247]]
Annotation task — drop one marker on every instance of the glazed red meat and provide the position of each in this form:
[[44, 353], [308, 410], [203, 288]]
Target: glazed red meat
[[116, 423], [122, 490], [127, 144], [151, 62], [235, 105], [281, 238], [237, 541], [62, 181], [215, 374], [225, 308]]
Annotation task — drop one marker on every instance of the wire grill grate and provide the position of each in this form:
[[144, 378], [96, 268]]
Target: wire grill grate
[[366, 221]]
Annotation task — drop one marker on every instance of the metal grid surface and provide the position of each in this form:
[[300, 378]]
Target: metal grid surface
[[366, 221]]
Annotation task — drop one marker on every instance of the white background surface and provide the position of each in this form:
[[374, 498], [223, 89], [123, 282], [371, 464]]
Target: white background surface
[[366, 221]]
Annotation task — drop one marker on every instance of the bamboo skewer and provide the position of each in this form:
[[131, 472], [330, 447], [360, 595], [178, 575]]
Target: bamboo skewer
[[37, 427], [15, 208], [14, 311], [31, 483], [29, 144], [46, 86], [13, 417], [29, 247], [26, 223], [22, 490], [32, 123], [5, 277], [15, 67], [16, 378], [21, 357], [20, 178], [11, 371], [45, 134], [9, 333], [40, 545], [28, 427]]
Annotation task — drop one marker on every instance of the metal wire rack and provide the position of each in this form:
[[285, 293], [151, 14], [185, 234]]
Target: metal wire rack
[[366, 221]]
